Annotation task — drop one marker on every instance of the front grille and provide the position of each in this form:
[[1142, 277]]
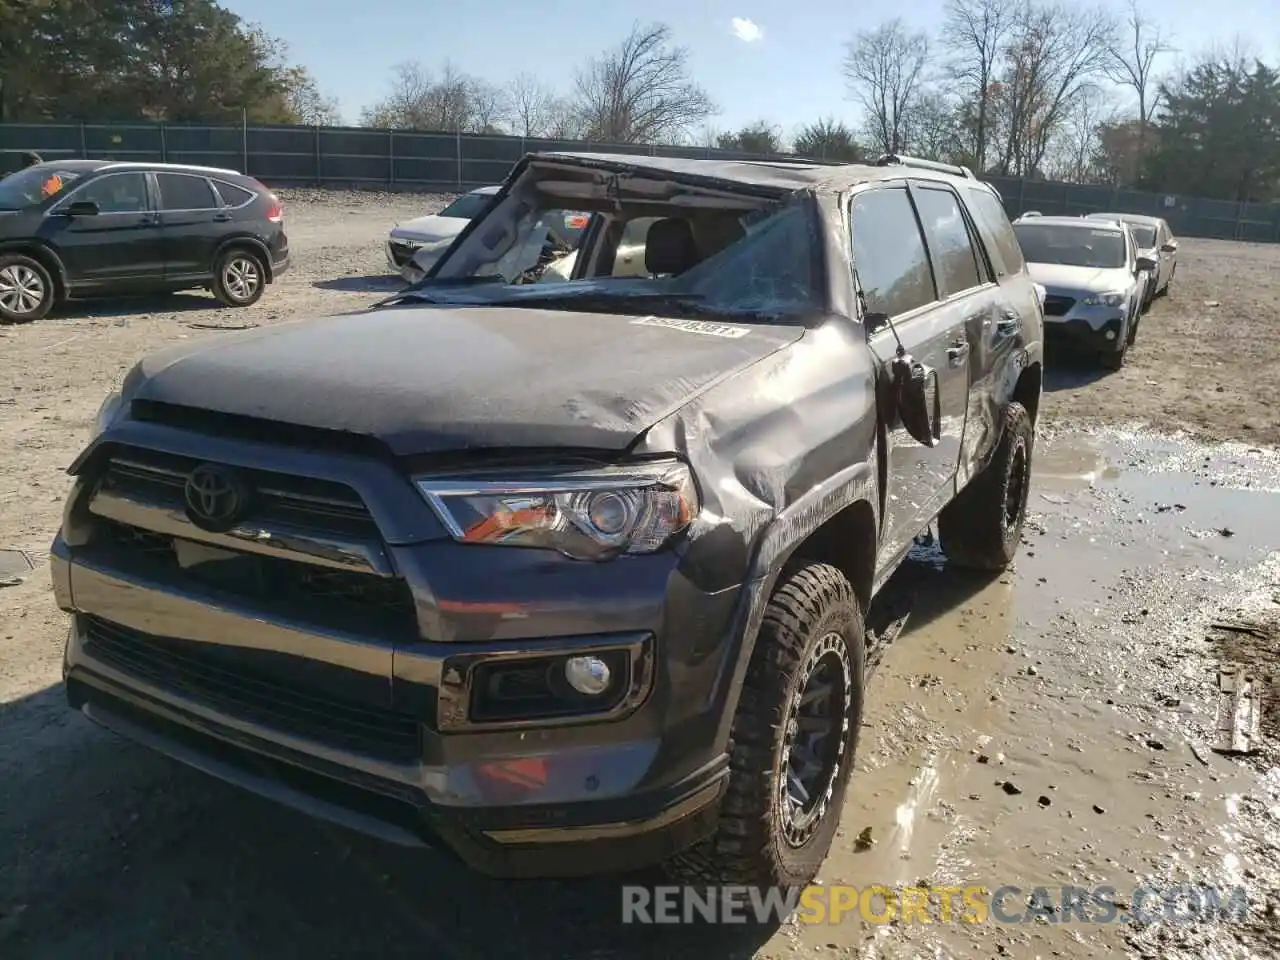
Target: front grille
[[1058, 306], [316, 506], [188, 669], [359, 603], [401, 253]]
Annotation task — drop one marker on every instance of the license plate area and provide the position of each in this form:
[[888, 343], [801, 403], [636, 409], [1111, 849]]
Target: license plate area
[[239, 573]]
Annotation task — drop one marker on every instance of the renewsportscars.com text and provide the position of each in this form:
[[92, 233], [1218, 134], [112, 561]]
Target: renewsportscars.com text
[[971, 903]]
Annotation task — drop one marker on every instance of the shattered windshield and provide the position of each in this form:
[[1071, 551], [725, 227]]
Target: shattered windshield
[[467, 206], [1071, 246], [743, 263]]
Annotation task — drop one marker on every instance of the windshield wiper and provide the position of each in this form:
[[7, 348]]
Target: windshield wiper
[[416, 291], [607, 298]]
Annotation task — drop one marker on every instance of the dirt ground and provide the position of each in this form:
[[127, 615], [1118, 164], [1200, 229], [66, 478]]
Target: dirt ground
[[1051, 726], [1187, 369]]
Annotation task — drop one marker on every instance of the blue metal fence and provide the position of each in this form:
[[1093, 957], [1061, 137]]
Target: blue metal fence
[[334, 156]]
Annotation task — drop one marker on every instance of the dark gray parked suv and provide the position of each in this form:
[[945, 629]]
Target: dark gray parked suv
[[567, 572]]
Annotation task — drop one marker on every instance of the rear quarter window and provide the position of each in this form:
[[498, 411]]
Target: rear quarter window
[[996, 231], [232, 196]]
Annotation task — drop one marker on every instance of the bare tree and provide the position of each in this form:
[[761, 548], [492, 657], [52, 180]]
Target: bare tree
[[566, 121], [1133, 58], [641, 91], [975, 32], [932, 128], [530, 106], [418, 101], [708, 135], [1075, 151], [1055, 53], [305, 101], [884, 70], [487, 109]]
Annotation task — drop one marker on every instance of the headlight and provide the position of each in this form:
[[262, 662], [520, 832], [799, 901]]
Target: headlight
[[106, 413], [1114, 299], [584, 514]]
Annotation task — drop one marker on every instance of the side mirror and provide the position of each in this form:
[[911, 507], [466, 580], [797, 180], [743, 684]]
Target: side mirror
[[1146, 263], [82, 208], [915, 391], [1170, 247]]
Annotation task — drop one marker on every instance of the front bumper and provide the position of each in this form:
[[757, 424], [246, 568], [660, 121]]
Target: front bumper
[[398, 253], [1085, 334], [531, 842], [402, 252], [375, 733]]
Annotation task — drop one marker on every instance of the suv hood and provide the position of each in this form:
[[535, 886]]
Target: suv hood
[[432, 379], [1057, 276]]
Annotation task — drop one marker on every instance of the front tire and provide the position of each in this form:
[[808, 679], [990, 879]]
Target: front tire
[[239, 278], [1114, 359], [794, 737], [26, 289], [981, 528]]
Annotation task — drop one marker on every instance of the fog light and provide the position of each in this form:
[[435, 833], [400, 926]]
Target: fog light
[[587, 675], [1111, 334]]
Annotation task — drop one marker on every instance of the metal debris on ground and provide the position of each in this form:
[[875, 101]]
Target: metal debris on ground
[[15, 565], [1238, 712], [220, 326], [865, 841], [1250, 629]]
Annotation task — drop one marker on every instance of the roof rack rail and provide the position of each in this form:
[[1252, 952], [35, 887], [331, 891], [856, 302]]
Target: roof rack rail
[[894, 159]]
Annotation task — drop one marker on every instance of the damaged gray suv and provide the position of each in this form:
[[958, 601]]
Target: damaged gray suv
[[563, 564]]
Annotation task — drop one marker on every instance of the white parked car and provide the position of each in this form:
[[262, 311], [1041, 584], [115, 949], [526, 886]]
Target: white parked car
[[415, 245]]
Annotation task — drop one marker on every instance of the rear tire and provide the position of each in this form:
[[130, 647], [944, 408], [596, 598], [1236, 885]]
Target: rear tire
[[239, 278], [26, 289], [981, 528], [794, 737]]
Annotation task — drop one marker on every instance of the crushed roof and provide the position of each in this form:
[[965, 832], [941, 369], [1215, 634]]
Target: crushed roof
[[774, 174]]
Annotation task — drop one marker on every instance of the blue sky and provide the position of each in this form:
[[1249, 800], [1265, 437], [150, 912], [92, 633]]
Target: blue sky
[[789, 74]]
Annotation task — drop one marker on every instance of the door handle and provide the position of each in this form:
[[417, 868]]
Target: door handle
[[221, 217], [957, 352]]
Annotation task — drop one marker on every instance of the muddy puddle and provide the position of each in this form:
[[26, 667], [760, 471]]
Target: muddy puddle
[[1049, 728]]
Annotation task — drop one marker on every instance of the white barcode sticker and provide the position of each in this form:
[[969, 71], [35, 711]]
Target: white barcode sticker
[[704, 327]]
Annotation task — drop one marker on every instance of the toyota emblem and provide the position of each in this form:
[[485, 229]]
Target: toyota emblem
[[216, 497]]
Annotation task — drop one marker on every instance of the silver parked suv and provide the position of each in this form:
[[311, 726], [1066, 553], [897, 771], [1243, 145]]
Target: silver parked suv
[[1095, 281]]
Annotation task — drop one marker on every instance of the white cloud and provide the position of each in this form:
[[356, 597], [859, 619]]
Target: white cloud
[[748, 31]]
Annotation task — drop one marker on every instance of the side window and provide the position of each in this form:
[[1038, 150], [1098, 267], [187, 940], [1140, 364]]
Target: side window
[[889, 253], [179, 191], [116, 193], [628, 260], [993, 222], [948, 236], [232, 196]]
